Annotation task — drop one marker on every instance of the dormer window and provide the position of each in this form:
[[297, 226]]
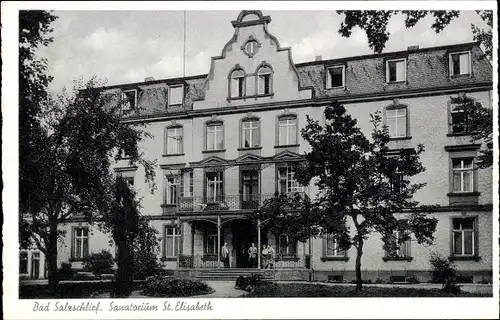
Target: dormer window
[[264, 81], [176, 95], [237, 82], [335, 77], [460, 63], [129, 98], [396, 70]]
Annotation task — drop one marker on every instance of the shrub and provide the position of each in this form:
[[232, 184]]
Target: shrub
[[378, 281], [166, 286], [145, 264], [249, 283], [65, 271], [443, 270], [99, 263], [411, 279]]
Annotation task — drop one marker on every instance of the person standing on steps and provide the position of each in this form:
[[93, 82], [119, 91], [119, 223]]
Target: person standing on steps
[[252, 256], [225, 255]]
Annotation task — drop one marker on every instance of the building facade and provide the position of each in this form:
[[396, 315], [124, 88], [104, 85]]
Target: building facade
[[227, 140]]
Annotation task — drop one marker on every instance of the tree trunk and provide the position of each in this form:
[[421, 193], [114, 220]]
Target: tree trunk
[[359, 281], [124, 274], [53, 274]]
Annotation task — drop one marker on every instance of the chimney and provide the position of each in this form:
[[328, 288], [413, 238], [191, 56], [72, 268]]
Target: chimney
[[318, 58], [413, 48], [149, 79]]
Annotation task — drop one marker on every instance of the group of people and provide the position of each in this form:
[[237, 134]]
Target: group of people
[[267, 256]]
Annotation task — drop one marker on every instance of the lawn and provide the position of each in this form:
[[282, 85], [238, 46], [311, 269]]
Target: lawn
[[286, 290]]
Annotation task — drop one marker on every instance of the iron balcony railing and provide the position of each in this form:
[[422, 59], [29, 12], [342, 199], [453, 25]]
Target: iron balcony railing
[[224, 202], [199, 261]]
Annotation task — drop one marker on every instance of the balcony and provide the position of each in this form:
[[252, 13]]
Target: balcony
[[224, 203]]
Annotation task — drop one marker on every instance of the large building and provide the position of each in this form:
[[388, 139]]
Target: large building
[[226, 141]]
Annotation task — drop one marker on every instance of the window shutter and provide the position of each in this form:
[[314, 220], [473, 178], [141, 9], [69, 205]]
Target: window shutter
[[73, 242], [164, 242]]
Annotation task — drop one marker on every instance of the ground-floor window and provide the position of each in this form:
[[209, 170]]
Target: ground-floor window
[[80, 243], [286, 246], [332, 248], [172, 242], [464, 241], [402, 249]]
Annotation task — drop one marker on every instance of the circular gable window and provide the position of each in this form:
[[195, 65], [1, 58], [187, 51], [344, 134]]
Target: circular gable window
[[251, 48]]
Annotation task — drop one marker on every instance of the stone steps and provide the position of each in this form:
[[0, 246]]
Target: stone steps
[[231, 274]]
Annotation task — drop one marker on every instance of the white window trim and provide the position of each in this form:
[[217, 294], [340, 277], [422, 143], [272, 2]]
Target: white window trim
[[336, 251], [125, 98], [387, 74], [176, 234], [254, 124], [260, 77], [180, 142], [450, 63], [82, 238], [292, 186], [461, 230], [215, 132], [170, 94], [169, 185], [462, 170], [285, 123], [397, 117], [328, 77]]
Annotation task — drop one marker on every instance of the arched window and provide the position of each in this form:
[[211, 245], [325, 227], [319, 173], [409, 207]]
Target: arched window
[[264, 80], [237, 83]]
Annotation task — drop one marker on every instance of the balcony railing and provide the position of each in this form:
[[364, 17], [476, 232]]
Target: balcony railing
[[199, 261], [224, 203]]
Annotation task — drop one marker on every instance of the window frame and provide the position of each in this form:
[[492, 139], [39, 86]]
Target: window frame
[[258, 79], [22, 261], [242, 132], [210, 234], [450, 63], [293, 245], [170, 89], [242, 82], [395, 108], [180, 143], [474, 239], [176, 234], [168, 185], [210, 124], [462, 170], [329, 77], [387, 70], [74, 239], [299, 188], [219, 180], [126, 98], [279, 126]]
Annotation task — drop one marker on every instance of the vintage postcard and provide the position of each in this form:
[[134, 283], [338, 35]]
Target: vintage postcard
[[250, 160]]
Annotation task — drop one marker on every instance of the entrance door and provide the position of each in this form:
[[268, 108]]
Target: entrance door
[[244, 234], [249, 189]]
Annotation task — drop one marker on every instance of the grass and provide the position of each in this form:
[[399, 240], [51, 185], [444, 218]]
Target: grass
[[288, 290]]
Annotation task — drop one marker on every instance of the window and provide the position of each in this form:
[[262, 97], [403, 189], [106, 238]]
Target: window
[[251, 48], [396, 121], [287, 130], [460, 63], [286, 246], [174, 140], [463, 174], [396, 70], [80, 243], [23, 262], [287, 182], [215, 136], [459, 119], [402, 249], [176, 95], [187, 183], [215, 186], [331, 247], [250, 133], [172, 242], [396, 182], [264, 80], [171, 185], [128, 176], [463, 237], [335, 77], [237, 83], [211, 240], [129, 100]]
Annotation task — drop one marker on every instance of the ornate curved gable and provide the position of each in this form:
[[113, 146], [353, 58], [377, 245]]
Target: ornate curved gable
[[251, 48]]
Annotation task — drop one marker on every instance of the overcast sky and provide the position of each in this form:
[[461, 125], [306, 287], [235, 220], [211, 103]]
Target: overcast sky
[[127, 46]]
